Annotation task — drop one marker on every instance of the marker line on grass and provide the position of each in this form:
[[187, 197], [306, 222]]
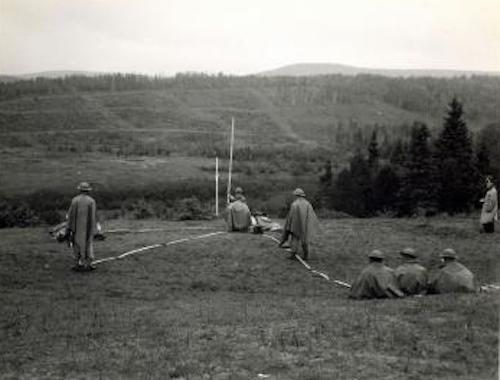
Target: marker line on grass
[[143, 230], [153, 246], [310, 269]]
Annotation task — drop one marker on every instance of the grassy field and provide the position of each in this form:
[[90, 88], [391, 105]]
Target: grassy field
[[233, 307]]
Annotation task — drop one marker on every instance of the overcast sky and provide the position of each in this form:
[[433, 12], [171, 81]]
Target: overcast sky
[[246, 36]]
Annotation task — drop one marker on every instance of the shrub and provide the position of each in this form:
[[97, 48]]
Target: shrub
[[191, 209], [16, 215], [51, 217], [141, 209]]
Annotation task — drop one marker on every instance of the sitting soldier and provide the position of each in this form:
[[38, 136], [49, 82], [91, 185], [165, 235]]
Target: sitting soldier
[[238, 213], [376, 280], [452, 277], [410, 275]]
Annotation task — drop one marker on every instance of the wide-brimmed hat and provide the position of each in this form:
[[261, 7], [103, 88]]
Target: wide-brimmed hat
[[376, 254], [410, 252], [449, 253], [299, 192], [84, 186]]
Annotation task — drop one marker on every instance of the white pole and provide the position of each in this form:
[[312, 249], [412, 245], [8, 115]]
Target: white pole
[[231, 147], [216, 186]]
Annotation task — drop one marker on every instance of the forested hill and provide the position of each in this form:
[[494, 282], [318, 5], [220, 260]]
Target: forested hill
[[308, 108], [165, 132]]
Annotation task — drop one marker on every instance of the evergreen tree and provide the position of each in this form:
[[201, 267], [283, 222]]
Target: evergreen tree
[[326, 178], [417, 188], [483, 167], [373, 152], [386, 188], [325, 181], [398, 155], [456, 169], [352, 191], [483, 159], [490, 137], [342, 198], [362, 185]]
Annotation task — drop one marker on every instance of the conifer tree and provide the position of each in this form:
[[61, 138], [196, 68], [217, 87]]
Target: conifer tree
[[326, 182], [362, 192], [457, 173], [386, 188], [483, 159], [418, 187], [352, 192], [398, 154], [373, 152]]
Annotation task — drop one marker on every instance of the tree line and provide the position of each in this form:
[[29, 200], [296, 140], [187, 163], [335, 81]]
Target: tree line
[[422, 176]]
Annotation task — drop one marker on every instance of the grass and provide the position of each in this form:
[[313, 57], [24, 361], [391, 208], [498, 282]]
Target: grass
[[34, 171], [231, 307]]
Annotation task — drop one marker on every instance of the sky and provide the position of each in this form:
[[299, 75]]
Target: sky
[[246, 36]]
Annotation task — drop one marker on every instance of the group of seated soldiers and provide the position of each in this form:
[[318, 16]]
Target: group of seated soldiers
[[410, 278], [376, 280]]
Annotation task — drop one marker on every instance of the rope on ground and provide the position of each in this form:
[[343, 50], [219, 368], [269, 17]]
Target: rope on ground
[[149, 247], [309, 268], [489, 288], [143, 230]]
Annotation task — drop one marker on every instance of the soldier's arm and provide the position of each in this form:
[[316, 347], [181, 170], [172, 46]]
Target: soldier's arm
[[93, 217], [71, 216], [489, 202], [284, 237]]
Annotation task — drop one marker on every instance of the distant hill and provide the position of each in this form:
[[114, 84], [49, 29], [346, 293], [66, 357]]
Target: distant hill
[[49, 75], [312, 69], [7, 78]]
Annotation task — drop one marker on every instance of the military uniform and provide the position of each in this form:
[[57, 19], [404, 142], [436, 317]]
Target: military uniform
[[452, 277], [411, 277], [376, 280]]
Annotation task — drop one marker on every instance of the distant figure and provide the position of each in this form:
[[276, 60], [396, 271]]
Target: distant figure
[[452, 277], [238, 213], [411, 277], [82, 227], [489, 212], [376, 280], [301, 223]]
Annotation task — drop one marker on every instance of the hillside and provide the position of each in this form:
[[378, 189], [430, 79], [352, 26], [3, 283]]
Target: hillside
[[135, 132], [313, 69]]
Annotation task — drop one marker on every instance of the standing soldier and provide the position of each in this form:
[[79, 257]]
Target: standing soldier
[[489, 212], [82, 227], [301, 223], [410, 275]]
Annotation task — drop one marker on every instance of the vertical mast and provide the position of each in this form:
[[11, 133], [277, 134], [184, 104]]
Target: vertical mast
[[231, 147], [216, 186]]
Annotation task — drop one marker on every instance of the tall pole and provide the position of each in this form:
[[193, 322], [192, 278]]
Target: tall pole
[[231, 147], [216, 186]]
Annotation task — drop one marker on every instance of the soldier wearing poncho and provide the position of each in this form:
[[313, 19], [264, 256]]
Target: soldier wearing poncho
[[411, 277], [376, 280], [82, 227], [452, 277], [301, 223], [238, 213], [489, 211]]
